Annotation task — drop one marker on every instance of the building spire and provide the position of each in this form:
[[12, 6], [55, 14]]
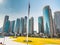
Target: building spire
[[28, 7]]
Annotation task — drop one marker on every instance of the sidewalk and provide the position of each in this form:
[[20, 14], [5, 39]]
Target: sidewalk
[[9, 41]]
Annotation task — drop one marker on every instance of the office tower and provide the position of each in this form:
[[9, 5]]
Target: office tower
[[31, 26], [6, 24], [25, 24], [18, 26], [48, 21], [22, 25], [12, 24], [57, 21], [40, 25], [54, 29], [6, 19]]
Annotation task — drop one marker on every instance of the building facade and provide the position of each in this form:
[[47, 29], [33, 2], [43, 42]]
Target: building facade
[[57, 22], [31, 25], [22, 25], [12, 24], [18, 26], [40, 25], [25, 24], [6, 24], [48, 21]]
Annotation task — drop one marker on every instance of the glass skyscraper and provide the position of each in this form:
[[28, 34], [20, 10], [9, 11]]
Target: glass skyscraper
[[6, 24], [25, 24], [40, 25], [31, 25], [48, 21], [18, 26], [57, 22], [22, 25], [12, 24]]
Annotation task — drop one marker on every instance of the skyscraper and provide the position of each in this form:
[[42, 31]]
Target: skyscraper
[[57, 22], [6, 19], [31, 26], [25, 24], [6, 24], [12, 24], [18, 26], [22, 25], [48, 21], [54, 29], [40, 25]]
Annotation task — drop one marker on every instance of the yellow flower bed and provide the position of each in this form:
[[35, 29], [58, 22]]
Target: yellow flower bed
[[39, 41]]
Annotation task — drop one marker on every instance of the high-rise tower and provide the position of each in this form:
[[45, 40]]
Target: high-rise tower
[[48, 21]]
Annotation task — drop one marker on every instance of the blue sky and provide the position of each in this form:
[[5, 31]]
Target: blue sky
[[18, 8]]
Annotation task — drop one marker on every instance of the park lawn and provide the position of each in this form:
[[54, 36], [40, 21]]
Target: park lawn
[[38, 41]]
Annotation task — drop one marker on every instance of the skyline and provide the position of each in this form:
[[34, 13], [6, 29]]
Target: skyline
[[19, 8]]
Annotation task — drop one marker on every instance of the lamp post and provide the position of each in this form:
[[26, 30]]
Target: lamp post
[[28, 16], [28, 20]]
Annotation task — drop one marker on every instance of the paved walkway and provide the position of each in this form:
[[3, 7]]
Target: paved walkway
[[9, 41]]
